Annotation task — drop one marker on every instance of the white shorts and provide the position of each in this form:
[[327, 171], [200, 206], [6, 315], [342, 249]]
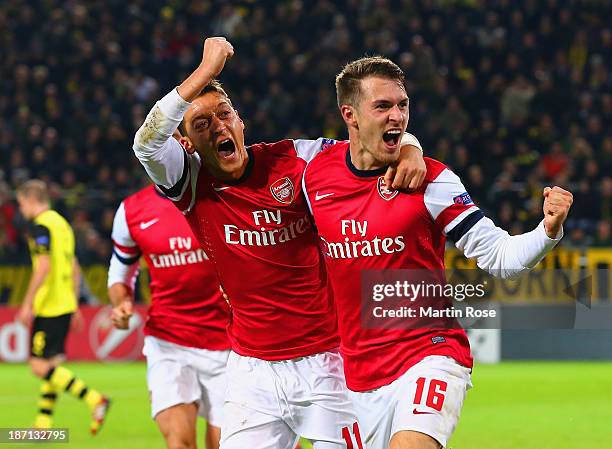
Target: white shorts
[[269, 404], [427, 398], [179, 374]]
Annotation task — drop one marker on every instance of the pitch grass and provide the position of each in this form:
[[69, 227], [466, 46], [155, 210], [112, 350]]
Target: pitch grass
[[526, 405]]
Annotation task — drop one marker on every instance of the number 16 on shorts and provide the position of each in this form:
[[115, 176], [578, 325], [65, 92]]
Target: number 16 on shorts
[[435, 395]]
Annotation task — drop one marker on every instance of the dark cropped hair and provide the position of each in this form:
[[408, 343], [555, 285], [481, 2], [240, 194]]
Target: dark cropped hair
[[213, 86]]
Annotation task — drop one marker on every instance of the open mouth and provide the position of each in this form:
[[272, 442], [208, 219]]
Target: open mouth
[[226, 148], [392, 137]]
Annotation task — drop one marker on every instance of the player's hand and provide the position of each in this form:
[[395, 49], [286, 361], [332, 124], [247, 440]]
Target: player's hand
[[121, 315], [25, 314], [557, 203], [409, 172], [217, 50]]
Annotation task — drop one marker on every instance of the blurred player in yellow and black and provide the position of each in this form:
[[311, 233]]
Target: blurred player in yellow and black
[[51, 299]]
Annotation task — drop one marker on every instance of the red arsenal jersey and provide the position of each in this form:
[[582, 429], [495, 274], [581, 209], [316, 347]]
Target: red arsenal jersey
[[260, 236], [363, 226], [187, 307]]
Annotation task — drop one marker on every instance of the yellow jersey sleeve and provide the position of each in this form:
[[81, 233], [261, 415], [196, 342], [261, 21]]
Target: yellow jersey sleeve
[[40, 239]]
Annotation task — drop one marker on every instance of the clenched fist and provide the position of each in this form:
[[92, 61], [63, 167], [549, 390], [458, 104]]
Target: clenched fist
[[217, 50], [121, 315], [557, 203]]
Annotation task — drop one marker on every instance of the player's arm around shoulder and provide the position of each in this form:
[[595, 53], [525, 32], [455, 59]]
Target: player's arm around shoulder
[[408, 173], [410, 170]]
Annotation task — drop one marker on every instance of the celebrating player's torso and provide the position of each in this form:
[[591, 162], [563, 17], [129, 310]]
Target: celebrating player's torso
[[187, 307], [260, 236], [363, 226]]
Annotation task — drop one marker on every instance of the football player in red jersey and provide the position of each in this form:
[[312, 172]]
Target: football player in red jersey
[[246, 207], [408, 385], [186, 343]]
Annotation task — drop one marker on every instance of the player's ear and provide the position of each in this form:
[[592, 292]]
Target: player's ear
[[348, 115], [187, 144], [239, 118]]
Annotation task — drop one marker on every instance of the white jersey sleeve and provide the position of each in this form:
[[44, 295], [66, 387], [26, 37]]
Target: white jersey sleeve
[[494, 250], [308, 149], [504, 255], [123, 267], [409, 139], [164, 159]]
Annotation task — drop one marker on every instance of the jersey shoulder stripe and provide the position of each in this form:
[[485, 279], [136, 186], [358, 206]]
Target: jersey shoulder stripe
[[456, 232], [446, 198]]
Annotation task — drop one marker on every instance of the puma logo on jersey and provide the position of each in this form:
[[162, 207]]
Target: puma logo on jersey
[[218, 189], [147, 224], [322, 195]]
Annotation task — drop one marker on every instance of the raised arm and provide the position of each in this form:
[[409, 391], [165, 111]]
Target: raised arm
[[162, 156]]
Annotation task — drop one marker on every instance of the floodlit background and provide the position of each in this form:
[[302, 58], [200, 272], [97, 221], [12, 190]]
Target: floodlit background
[[512, 95]]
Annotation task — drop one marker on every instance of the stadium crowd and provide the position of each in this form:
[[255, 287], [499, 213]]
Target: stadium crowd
[[513, 95]]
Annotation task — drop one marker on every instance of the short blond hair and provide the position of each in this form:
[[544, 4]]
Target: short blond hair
[[36, 189]]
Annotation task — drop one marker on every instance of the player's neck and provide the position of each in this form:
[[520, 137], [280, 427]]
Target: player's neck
[[361, 157], [233, 175], [39, 210]]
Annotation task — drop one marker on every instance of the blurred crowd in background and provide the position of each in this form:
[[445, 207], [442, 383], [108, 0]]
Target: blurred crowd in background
[[512, 95]]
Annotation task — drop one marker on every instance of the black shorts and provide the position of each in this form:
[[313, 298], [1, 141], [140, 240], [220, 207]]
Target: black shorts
[[49, 335]]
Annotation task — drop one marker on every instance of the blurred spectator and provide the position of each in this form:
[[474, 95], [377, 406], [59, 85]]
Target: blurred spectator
[[515, 100], [587, 207], [606, 198], [8, 231], [603, 234], [555, 161], [511, 95]]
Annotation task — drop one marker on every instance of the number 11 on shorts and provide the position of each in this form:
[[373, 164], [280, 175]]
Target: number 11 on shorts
[[435, 395], [348, 438]]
